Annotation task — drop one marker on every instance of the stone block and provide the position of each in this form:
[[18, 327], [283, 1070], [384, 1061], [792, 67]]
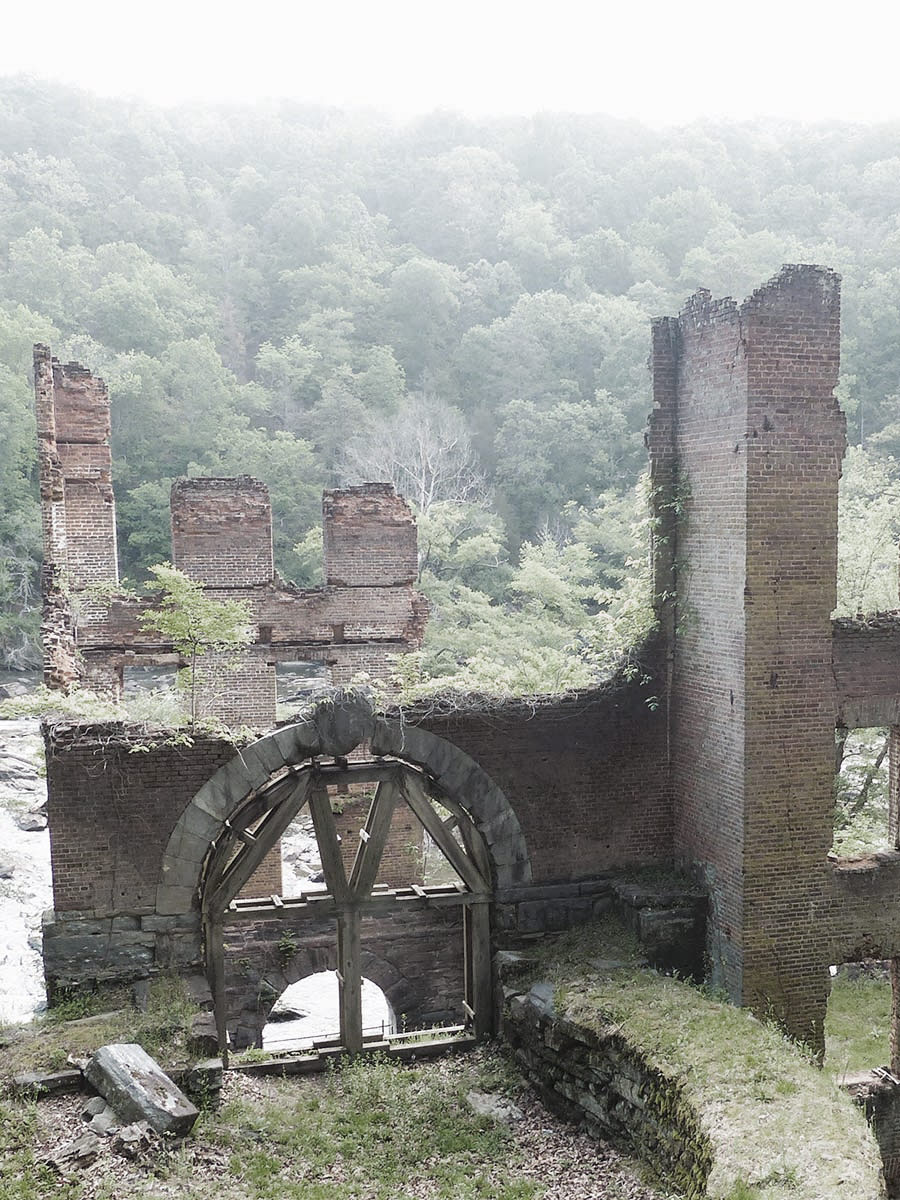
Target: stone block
[[138, 1090]]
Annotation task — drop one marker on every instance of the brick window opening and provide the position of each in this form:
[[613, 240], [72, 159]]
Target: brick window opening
[[858, 1018], [297, 683], [862, 787], [139, 679], [308, 1012]]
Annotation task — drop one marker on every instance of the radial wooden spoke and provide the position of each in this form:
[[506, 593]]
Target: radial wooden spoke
[[372, 843], [240, 870], [418, 801], [329, 846], [235, 832]]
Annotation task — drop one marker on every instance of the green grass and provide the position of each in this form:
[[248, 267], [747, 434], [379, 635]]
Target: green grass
[[373, 1129], [79, 1025], [857, 1024], [779, 1126]]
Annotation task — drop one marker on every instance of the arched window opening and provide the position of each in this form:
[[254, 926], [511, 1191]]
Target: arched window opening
[[308, 1013]]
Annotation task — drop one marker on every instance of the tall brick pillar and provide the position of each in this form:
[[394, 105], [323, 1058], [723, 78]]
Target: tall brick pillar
[[754, 439], [77, 509]]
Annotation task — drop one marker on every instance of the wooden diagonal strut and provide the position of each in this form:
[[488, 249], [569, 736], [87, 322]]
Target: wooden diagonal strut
[[373, 840], [248, 858], [418, 801], [329, 844]]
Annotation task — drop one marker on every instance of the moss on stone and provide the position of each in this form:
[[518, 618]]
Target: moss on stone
[[757, 1117]]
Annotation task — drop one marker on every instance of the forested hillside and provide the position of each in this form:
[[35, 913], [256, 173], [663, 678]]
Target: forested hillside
[[315, 297]]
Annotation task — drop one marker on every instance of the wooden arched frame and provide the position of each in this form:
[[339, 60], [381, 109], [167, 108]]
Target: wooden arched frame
[[259, 823]]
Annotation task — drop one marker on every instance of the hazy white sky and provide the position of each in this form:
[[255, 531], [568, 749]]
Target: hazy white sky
[[655, 61]]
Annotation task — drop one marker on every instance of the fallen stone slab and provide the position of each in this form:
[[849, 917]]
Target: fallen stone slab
[[137, 1088], [46, 1083]]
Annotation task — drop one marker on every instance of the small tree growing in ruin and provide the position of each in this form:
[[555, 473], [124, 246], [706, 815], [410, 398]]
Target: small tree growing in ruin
[[194, 621]]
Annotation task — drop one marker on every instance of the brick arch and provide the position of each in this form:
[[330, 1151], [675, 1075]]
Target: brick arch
[[333, 727], [251, 1000]]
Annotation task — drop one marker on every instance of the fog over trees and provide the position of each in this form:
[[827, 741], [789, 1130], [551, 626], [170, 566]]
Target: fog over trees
[[315, 297]]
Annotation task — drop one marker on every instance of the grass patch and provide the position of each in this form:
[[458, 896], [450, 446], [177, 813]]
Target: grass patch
[[858, 1023], [79, 1025], [372, 1129], [779, 1126]]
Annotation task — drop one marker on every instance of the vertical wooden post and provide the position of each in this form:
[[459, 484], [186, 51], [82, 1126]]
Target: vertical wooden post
[[350, 978], [478, 966], [215, 956]]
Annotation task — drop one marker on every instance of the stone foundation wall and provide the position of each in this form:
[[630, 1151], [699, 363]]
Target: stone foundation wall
[[416, 958], [602, 1082]]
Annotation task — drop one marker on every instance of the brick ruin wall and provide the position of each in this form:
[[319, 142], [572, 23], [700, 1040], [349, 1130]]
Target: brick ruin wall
[[368, 612], [111, 813], [723, 760], [748, 413], [77, 507]]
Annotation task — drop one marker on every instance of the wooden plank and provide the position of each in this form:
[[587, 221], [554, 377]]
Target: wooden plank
[[478, 918], [227, 844], [372, 840], [476, 849], [329, 846], [418, 801], [350, 979], [215, 964], [248, 859]]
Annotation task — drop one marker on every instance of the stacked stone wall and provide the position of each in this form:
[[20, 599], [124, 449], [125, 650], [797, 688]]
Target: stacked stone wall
[[416, 958]]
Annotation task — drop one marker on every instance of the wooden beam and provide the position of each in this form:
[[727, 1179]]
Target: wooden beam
[[372, 840], [249, 858], [329, 846], [350, 979], [226, 844], [418, 801], [215, 966], [479, 979]]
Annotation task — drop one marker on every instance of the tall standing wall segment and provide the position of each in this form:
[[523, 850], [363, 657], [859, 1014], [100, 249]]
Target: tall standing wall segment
[[747, 441], [77, 508]]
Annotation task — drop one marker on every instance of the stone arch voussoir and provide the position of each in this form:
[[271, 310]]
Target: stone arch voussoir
[[333, 727]]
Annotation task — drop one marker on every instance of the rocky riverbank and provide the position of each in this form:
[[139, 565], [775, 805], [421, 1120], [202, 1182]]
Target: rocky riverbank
[[25, 889]]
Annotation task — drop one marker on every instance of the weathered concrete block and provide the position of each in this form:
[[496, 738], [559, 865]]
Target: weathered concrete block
[[136, 1087]]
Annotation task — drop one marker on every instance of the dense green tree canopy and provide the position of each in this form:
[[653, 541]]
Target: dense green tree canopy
[[307, 295]]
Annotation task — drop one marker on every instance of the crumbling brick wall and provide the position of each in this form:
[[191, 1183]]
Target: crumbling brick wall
[[368, 612], [747, 414], [77, 507], [585, 773]]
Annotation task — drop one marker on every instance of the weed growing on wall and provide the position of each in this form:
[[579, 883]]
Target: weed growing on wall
[[195, 622]]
